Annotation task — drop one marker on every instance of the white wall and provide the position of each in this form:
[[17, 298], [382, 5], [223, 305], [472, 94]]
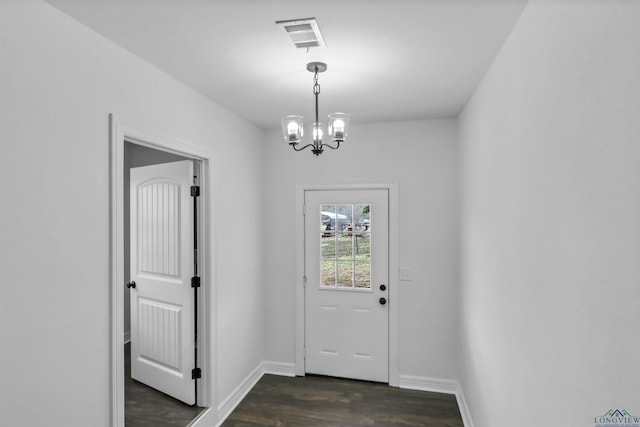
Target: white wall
[[551, 238], [58, 83], [422, 158]]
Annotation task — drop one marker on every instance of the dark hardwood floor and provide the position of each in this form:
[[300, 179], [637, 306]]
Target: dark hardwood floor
[[147, 407], [322, 401], [300, 401]]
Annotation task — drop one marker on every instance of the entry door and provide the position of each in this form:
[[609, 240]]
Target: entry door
[[346, 291], [162, 264]]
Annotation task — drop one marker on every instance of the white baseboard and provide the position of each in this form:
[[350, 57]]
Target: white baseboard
[[229, 404], [279, 368], [275, 368], [464, 409], [438, 385], [202, 418]]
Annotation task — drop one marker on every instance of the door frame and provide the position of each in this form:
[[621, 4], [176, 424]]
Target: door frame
[[119, 135], [394, 310]]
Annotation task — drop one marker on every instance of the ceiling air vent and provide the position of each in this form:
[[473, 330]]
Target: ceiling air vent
[[304, 33]]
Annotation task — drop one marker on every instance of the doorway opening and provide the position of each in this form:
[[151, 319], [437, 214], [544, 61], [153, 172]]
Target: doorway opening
[[134, 149], [160, 309]]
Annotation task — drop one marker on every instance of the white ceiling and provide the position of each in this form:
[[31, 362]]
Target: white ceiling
[[387, 60]]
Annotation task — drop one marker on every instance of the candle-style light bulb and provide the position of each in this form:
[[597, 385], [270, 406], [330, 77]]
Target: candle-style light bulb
[[338, 126], [317, 134], [338, 129], [292, 128]]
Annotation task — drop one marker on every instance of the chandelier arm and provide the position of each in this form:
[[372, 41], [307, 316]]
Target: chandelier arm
[[329, 146], [301, 148]]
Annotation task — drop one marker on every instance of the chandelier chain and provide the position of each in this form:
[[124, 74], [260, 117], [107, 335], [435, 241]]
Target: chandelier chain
[[316, 85]]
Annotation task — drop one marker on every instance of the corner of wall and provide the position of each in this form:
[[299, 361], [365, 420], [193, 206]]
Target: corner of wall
[[439, 385]]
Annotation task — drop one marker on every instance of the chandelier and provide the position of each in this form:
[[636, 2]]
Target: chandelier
[[337, 127]]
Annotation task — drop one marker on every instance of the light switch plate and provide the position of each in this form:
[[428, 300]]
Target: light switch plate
[[405, 274]]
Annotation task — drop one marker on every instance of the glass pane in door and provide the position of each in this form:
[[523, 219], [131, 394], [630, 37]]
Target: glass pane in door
[[345, 246]]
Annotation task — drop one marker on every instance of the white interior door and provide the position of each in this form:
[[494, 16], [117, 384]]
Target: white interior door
[[347, 279], [162, 264]]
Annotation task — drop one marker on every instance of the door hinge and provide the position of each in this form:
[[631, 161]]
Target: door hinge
[[304, 352], [304, 210], [304, 281], [195, 282], [196, 373], [195, 190]]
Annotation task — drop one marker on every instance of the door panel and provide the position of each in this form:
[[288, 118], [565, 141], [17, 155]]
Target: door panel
[[162, 306], [346, 261]]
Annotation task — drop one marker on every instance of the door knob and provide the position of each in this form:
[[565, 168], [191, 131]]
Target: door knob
[[383, 301], [131, 284]]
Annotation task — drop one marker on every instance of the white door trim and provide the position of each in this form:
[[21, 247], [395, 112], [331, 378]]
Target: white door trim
[[394, 309], [119, 134]]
